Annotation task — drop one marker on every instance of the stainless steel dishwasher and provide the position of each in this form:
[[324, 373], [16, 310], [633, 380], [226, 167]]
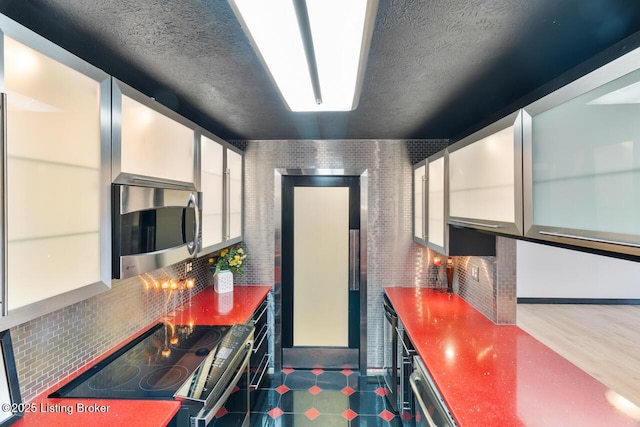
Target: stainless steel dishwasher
[[430, 409]]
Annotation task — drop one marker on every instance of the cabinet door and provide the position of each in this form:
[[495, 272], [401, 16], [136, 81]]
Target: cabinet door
[[583, 161], [234, 194], [436, 202], [485, 178], [56, 177], [212, 183], [419, 205], [152, 144]]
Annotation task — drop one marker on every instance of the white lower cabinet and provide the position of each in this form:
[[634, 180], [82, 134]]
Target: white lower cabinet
[[582, 162], [56, 234]]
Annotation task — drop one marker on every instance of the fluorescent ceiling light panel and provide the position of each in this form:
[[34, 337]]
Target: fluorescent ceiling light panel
[[341, 32]]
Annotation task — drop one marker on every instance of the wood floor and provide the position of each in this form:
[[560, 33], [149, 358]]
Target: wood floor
[[603, 340]]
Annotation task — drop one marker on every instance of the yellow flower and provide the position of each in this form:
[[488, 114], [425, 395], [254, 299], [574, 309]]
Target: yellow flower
[[210, 260], [224, 253], [240, 251]]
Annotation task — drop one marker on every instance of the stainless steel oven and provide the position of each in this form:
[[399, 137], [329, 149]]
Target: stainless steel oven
[[430, 409], [153, 228]]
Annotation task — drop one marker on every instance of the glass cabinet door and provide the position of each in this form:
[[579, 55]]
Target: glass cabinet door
[[436, 202], [234, 173], [583, 160], [152, 144], [57, 177], [485, 178], [419, 206], [212, 184]]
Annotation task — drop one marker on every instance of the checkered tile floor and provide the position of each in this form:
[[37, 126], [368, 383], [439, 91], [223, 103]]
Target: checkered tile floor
[[321, 398]]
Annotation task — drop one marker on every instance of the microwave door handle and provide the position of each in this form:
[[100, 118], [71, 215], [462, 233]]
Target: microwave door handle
[[192, 247]]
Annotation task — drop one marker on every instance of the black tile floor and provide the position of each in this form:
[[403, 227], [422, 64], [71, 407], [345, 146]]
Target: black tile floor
[[300, 398]]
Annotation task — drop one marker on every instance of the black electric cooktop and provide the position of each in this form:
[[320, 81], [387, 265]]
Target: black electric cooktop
[[153, 366]]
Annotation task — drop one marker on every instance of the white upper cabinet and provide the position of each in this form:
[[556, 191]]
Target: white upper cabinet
[[212, 183], [436, 202], [485, 178], [152, 145], [234, 194], [222, 192], [419, 203], [582, 160], [56, 234], [431, 204]]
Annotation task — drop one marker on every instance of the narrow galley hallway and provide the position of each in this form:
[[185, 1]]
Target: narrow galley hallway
[[323, 398]]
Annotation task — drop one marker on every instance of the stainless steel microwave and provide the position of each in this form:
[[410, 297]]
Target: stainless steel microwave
[[153, 228]]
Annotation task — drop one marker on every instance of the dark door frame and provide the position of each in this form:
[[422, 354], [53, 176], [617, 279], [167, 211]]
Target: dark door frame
[[277, 286]]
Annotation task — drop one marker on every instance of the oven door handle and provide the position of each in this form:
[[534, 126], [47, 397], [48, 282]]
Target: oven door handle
[[404, 345], [414, 379], [207, 414], [393, 319]]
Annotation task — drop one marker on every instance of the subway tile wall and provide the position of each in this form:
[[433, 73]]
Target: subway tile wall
[[393, 258], [494, 293], [52, 347]]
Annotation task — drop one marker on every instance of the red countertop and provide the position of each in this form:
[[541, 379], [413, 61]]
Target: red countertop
[[206, 308], [498, 375]]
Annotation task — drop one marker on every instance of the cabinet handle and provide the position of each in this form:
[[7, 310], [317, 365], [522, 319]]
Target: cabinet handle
[[227, 203], [153, 182], [400, 335], [425, 221], [3, 208], [588, 239], [479, 224]]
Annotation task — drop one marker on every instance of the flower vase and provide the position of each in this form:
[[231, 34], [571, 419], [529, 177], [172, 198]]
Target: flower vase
[[223, 282]]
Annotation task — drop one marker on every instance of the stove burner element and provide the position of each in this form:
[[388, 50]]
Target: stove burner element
[[164, 378], [199, 339], [111, 378], [202, 352]]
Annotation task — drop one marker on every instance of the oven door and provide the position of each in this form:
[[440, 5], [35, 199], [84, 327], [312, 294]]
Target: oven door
[[430, 410], [390, 361], [222, 379], [153, 228]]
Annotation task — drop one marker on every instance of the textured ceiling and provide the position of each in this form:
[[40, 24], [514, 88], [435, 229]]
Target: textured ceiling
[[437, 69]]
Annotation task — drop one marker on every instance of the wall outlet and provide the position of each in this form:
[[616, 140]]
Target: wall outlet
[[188, 267], [475, 273]]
